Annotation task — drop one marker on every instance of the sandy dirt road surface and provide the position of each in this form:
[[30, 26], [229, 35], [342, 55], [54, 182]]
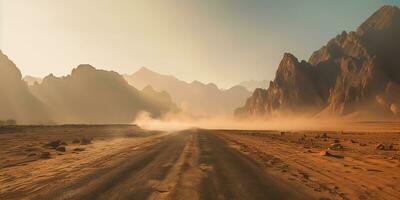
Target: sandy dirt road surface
[[192, 164], [360, 165]]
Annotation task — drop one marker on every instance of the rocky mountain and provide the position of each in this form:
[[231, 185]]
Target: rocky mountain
[[195, 97], [16, 101], [252, 84], [355, 71], [390, 98], [90, 95], [31, 80], [162, 99]]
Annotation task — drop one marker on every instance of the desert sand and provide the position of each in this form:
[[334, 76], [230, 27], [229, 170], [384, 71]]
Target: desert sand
[[125, 162], [330, 164]]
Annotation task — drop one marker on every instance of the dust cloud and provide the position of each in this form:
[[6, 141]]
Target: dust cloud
[[181, 121]]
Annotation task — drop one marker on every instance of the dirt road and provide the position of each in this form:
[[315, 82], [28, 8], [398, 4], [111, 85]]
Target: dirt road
[[186, 165]]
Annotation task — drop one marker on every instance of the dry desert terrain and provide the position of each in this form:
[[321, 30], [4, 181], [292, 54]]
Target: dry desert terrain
[[127, 162]]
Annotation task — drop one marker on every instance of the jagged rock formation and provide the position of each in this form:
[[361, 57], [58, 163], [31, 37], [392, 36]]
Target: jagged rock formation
[[196, 97], [346, 75], [31, 80], [390, 98], [16, 101], [162, 99], [96, 96], [253, 85]]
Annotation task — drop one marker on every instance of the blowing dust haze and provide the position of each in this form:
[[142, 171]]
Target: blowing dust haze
[[181, 121], [199, 99]]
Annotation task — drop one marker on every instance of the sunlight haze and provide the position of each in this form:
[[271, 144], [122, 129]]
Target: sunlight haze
[[225, 42]]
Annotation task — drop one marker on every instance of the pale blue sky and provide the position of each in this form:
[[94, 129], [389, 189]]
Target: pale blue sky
[[220, 41]]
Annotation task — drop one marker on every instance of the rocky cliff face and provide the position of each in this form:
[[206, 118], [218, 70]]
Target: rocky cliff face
[[95, 96], [16, 101], [87, 95], [292, 90], [342, 77], [390, 98]]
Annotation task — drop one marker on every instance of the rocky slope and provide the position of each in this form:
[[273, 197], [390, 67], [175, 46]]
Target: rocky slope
[[96, 96], [196, 97], [347, 75], [16, 101]]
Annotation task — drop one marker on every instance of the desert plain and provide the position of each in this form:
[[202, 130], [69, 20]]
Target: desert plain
[[127, 162]]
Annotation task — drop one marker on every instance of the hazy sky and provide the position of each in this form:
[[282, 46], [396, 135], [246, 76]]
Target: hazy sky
[[220, 41]]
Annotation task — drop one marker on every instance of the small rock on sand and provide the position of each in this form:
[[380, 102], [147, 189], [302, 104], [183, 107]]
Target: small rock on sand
[[336, 141], [380, 147], [79, 149], [85, 141], [327, 153], [61, 148], [385, 147], [324, 153], [53, 144], [322, 136], [76, 141], [32, 154], [45, 155], [336, 146]]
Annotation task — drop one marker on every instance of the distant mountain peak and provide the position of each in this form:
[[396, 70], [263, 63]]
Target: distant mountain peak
[[31, 80], [212, 85], [145, 70], [88, 93], [288, 60], [148, 88], [195, 96], [49, 78], [196, 82], [384, 18], [17, 102], [7, 66], [84, 67], [289, 57]]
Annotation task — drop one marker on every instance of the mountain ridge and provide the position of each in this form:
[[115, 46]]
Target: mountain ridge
[[195, 96], [344, 76], [17, 102], [90, 95]]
